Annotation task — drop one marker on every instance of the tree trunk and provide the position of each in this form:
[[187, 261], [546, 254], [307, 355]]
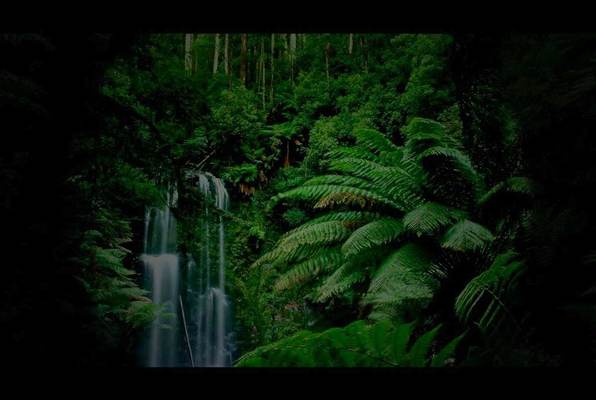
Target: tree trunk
[[272, 63], [263, 75], [292, 54], [350, 43], [216, 54], [226, 59], [243, 58], [327, 52], [188, 53]]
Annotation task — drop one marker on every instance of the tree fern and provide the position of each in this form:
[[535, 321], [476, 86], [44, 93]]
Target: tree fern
[[354, 217], [460, 161], [376, 233], [402, 277], [340, 180], [483, 300], [466, 236], [326, 260], [515, 185], [323, 233], [374, 140], [339, 281], [314, 193], [430, 217], [357, 345]]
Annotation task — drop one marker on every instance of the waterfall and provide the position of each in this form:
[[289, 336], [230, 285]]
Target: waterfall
[[195, 316], [213, 338], [162, 280]]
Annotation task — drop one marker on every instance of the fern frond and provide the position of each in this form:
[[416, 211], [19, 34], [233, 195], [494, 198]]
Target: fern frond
[[440, 360], [352, 152], [376, 233], [483, 300], [430, 217], [326, 260], [355, 345], [317, 192], [402, 277], [357, 167], [355, 218], [460, 161], [296, 246], [374, 140], [337, 283], [517, 184], [466, 236], [419, 352], [341, 180]]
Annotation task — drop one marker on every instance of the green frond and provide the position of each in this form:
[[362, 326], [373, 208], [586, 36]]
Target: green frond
[[315, 193], [466, 236], [296, 246], [357, 167], [376, 233], [448, 352], [353, 217], [343, 199], [355, 345], [460, 161], [352, 152], [338, 282], [326, 260], [419, 352], [430, 217], [483, 300], [402, 277], [518, 184], [341, 180], [374, 140]]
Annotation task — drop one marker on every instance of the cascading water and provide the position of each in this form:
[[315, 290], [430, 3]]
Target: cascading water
[[213, 345], [194, 327], [162, 280]]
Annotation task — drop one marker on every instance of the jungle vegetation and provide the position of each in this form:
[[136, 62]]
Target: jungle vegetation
[[397, 200]]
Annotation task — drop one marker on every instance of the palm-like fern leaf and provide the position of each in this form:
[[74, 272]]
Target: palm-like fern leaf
[[466, 236], [376, 233], [355, 218], [317, 192], [355, 345], [326, 260], [293, 246], [483, 300], [403, 276], [430, 217], [517, 184], [339, 281], [374, 140], [460, 162]]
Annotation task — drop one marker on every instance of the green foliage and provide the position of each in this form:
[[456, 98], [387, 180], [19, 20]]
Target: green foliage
[[376, 233], [356, 345], [466, 236], [429, 218], [484, 299]]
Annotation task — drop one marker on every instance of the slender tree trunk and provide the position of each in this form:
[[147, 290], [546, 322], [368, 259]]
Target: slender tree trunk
[[292, 54], [188, 53], [287, 156], [216, 54], [350, 43], [272, 62], [263, 69], [195, 54], [243, 58], [226, 59], [327, 52]]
